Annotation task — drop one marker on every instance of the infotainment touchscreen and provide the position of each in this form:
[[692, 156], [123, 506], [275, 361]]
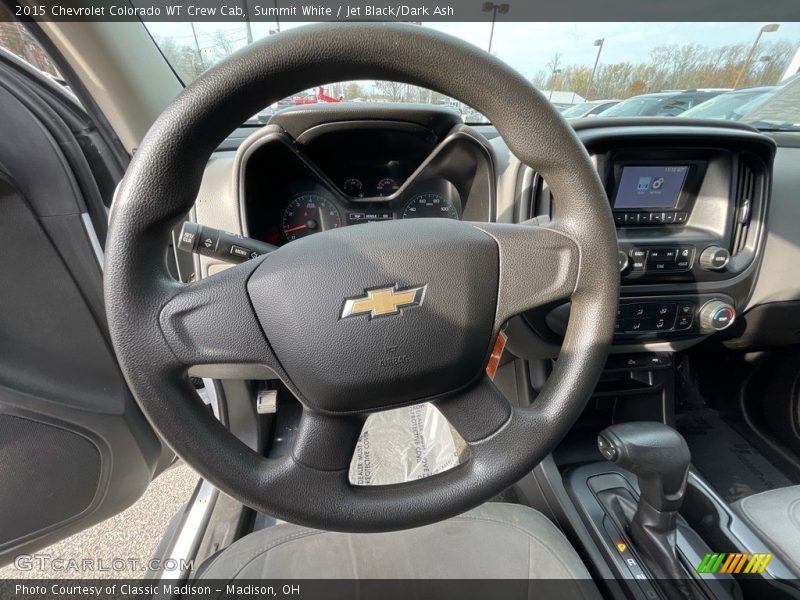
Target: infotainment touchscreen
[[647, 187]]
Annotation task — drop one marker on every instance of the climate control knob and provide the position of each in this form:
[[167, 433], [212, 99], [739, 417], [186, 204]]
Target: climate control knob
[[714, 258], [716, 315]]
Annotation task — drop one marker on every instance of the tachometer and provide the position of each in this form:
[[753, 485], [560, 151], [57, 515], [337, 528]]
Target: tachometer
[[429, 205], [387, 186], [307, 214], [354, 187]]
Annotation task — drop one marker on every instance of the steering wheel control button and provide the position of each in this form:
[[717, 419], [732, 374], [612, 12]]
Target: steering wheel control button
[[716, 315], [222, 245], [714, 258], [240, 251]]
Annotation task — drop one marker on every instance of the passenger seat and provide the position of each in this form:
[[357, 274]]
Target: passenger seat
[[775, 517]]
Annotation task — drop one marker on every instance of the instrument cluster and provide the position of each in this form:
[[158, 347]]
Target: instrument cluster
[[314, 209], [342, 175]]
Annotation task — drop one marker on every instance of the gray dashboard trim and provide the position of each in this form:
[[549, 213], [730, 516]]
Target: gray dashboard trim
[[779, 278]]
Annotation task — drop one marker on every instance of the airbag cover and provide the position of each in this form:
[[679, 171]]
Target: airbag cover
[[435, 344]]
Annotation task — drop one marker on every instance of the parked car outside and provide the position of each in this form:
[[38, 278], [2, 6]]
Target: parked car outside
[[661, 104], [591, 108], [733, 105]]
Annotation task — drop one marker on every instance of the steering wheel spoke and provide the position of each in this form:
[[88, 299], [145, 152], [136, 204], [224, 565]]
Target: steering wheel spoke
[[210, 326], [538, 266], [478, 412], [326, 443]]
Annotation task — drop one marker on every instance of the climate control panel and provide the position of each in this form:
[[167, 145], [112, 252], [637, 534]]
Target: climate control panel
[[654, 317], [674, 316]]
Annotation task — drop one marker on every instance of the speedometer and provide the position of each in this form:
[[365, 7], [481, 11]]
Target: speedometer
[[307, 214], [429, 205]]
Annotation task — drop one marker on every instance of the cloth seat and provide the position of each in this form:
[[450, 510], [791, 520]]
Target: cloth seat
[[494, 541], [775, 517]]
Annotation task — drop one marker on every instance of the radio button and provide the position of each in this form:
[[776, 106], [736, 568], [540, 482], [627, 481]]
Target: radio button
[[638, 259], [656, 218], [681, 218], [645, 218], [631, 218], [669, 218], [662, 255], [622, 260], [714, 258], [660, 265]]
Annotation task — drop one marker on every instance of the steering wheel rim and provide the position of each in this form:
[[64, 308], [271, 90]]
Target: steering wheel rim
[[160, 327]]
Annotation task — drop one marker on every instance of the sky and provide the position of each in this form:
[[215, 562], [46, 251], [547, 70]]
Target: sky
[[528, 47]]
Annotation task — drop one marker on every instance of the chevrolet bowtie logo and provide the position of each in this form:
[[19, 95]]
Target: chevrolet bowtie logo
[[383, 302]]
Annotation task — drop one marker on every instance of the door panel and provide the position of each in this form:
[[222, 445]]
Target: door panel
[[74, 447]]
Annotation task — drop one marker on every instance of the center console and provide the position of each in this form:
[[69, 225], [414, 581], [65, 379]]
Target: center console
[[689, 205]]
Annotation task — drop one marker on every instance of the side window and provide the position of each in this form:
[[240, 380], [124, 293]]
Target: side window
[[17, 40]]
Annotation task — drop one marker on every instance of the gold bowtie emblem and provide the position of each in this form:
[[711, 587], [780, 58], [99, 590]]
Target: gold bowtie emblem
[[383, 302]]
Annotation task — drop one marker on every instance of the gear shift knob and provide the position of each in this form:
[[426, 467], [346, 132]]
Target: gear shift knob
[[656, 454]]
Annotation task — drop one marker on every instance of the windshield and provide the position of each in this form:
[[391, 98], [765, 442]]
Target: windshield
[[686, 64]]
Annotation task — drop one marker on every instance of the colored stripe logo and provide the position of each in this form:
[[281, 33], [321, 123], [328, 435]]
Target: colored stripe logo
[[735, 562]]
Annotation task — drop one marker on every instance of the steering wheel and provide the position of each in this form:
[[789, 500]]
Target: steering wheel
[[430, 294]]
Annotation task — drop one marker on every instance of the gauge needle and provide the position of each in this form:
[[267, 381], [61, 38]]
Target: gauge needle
[[296, 228]]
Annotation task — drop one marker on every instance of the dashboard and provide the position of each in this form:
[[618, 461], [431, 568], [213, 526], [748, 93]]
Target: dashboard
[[690, 200]]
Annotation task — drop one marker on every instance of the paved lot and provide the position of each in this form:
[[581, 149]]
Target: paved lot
[[134, 533]]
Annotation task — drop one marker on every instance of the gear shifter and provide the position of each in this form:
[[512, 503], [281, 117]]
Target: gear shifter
[[659, 457]]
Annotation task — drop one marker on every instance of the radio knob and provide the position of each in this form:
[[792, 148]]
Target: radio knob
[[714, 258], [623, 260], [716, 315]]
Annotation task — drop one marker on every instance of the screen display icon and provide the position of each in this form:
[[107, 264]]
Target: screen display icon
[[655, 186]]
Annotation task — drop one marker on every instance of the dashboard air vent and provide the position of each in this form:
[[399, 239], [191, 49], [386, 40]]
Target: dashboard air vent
[[745, 198]]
